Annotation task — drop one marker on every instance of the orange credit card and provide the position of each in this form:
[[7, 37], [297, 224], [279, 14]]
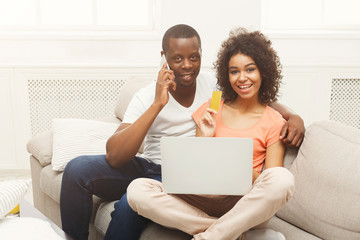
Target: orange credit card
[[215, 100]]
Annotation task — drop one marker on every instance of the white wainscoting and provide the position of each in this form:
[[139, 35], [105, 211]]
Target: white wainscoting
[[308, 91], [25, 113]]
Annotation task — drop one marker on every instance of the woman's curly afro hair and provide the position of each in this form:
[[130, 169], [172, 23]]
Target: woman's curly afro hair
[[258, 47]]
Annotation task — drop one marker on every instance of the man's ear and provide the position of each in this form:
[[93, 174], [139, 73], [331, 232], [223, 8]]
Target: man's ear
[[162, 53]]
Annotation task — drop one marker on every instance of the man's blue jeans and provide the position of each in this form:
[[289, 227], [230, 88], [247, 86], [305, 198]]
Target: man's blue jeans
[[86, 176]]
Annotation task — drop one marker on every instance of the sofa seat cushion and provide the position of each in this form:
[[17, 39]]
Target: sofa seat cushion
[[50, 182], [152, 231], [103, 218], [290, 232], [327, 176], [155, 231]]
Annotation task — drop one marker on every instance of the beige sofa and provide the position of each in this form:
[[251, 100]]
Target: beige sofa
[[326, 203]]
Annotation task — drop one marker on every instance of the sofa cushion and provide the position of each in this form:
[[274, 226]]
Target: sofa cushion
[[290, 155], [40, 147], [131, 86], [50, 182], [151, 231], [327, 176], [290, 232], [102, 218], [75, 137]]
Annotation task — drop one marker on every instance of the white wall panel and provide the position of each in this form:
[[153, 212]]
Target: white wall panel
[[307, 92], [318, 50]]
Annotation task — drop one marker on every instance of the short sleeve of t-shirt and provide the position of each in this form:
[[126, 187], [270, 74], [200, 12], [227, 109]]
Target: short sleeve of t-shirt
[[276, 122]]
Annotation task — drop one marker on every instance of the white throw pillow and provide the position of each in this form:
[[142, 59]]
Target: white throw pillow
[[11, 192], [27, 228], [76, 137]]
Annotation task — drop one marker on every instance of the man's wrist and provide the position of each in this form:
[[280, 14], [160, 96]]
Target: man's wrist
[[157, 106], [294, 115]]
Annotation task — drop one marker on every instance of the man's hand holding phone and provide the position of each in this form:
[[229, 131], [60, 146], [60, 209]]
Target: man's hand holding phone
[[165, 81]]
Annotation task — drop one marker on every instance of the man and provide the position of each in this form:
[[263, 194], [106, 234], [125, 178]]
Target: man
[[161, 109]]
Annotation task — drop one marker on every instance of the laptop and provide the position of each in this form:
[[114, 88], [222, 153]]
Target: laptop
[[206, 165]]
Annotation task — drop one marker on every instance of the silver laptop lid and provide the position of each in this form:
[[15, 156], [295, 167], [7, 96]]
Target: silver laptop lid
[[206, 165]]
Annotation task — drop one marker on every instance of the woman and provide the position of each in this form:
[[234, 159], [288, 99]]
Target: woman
[[248, 72]]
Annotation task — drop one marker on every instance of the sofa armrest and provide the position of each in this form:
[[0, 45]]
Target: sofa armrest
[[40, 147]]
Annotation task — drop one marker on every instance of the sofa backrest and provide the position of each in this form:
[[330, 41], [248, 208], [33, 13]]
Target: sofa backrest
[[326, 201], [290, 156], [131, 86]]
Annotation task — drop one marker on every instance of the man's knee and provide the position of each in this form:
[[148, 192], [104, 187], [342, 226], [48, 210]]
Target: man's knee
[[81, 167], [75, 165]]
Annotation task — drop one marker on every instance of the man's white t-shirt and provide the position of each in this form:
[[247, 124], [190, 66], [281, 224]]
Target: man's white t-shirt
[[173, 120]]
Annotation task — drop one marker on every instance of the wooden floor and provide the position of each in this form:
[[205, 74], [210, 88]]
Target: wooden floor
[[18, 174]]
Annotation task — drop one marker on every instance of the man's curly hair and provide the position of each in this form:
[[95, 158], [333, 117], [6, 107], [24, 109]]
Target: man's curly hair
[[258, 47]]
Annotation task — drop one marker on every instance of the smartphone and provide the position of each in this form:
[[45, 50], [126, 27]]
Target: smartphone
[[163, 60]]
